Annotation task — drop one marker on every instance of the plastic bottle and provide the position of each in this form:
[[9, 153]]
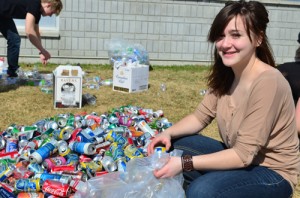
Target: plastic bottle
[[77, 184], [4, 68], [93, 86], [107, 82], [163, 87], [1, 65]]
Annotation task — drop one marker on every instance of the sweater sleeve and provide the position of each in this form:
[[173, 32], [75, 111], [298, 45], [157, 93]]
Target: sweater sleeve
[[269, 97], [206, 110]]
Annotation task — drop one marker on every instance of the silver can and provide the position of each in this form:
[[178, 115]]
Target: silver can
[[62, 121], [50, 125], [81, 123], [160, 123], [63, 134], [63, 148], [158, 113], [2, 142], [108, 163], [23, 141]]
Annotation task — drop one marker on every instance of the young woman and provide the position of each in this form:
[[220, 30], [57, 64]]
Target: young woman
[[254, 109]]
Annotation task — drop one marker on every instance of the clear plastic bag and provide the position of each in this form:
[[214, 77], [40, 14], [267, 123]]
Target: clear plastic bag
[[124, 51], [137, 182]]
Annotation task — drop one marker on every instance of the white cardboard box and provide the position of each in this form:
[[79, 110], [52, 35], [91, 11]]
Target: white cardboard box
[[131, 78], [67, 86]]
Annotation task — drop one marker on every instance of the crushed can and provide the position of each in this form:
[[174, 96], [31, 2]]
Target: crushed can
[[63, 148], [27, 185], [53, 161], [83, 148], [43, 152], [56, 188]]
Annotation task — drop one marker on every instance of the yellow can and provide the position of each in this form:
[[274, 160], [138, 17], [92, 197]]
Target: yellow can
[[160, 149]]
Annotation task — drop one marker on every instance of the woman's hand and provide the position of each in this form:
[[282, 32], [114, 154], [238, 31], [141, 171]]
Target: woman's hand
[[162, 138], [172, 168]]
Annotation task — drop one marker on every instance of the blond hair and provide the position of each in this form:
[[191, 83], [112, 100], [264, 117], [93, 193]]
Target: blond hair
[[56, 5]]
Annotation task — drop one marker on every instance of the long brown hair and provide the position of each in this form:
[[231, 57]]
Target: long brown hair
[[255, 17]]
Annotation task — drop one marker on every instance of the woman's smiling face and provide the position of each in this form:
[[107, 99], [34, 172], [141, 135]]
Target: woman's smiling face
[[234, 45]]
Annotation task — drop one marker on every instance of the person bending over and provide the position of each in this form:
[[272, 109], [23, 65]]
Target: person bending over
[[31, 11]]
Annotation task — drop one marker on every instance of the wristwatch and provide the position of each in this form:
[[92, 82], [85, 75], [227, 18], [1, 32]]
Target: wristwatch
[[187, 163]]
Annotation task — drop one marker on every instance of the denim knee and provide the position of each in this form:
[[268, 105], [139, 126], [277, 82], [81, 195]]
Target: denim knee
[[13, 40], [198, 145]]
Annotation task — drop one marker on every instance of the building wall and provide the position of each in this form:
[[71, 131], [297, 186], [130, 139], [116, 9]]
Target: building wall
[[172, 31]]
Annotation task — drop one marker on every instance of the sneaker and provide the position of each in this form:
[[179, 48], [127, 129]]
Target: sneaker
[[12, 75]]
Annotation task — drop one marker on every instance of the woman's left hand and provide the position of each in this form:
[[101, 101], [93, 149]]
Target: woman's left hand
[[172, 168]]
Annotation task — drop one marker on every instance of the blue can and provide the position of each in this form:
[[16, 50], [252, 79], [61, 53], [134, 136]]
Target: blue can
[[11, 145], [50, 176], [83, 136], [36, 168], [5, 193], [8, 172], [3, 167], [116, 150], [43, 152], [121, 140], [40, 125], [83, 148], [27, 185], [72, 158]]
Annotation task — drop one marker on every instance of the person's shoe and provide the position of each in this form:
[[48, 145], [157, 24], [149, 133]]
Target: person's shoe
[[12, 75]]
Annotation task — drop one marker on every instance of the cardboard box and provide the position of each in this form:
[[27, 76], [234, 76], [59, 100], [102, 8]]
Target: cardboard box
[[131, 79], [67, 86]]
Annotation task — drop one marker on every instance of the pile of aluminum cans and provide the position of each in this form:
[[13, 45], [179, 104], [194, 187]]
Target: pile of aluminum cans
[[56, 156]]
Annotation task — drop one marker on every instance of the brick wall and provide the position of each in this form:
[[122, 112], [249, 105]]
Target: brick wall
[[173, 32]]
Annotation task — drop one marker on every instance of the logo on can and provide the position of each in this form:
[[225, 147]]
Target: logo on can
[[83, 148], [28, 185], [11, 145], [56, 188]]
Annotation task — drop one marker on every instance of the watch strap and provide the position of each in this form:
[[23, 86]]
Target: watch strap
[[187, 163]]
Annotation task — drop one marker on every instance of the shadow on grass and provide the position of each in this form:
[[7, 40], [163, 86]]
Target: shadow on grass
[[13, 84]]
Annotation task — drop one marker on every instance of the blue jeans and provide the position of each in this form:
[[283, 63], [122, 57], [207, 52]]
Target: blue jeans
[[9, 31], [252, 181]]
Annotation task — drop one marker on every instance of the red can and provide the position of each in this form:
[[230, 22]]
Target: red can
[[99, 173], [56, 188], [63, 168], [84, 158], [96, 118], [22, 173], [30, 195], [54, 161], [74, 134]]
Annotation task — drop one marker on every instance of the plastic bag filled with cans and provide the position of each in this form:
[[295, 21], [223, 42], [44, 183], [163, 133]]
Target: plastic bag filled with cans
[[55, 156], [122, 50], [137, 181]]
